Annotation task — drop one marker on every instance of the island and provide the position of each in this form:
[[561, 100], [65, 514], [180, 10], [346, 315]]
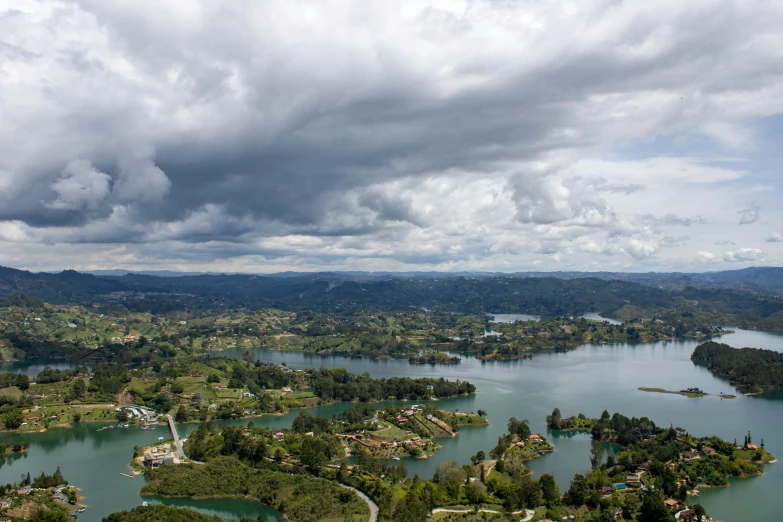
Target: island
[[670, 455], [47, 498], [691, 393], [750, 369], [432, 357]]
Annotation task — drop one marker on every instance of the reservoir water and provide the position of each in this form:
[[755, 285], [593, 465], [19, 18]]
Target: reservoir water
[[587, 380]]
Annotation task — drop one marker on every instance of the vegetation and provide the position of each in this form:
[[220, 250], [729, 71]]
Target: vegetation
[[671, 458], [301, 497], [575, 423], [197, 389], [749, 368], [161, 513], [691, 393], [45, 498], [431, 357]]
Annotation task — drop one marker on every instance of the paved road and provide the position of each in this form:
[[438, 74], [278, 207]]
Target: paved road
[[370, 504], [177, 440], [529, 513]]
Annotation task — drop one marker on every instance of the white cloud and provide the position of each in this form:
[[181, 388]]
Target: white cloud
[[80, 187], [743, 255]]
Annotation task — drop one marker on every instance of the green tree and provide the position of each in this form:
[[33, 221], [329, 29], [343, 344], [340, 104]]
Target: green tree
[[654, 510], [181, 415], [596, 455], [50, 515], [475, 492], [78, 389], [550, 492], [13, 419], [575, 495]]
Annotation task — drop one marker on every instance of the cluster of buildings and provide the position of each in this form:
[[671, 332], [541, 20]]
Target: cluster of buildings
[[155, 458], [143, 414]]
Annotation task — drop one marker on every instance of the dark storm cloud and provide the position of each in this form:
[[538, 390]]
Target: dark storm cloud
[[232, 124]]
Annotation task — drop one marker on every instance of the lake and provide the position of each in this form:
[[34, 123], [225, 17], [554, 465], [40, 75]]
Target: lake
[[587, 380]]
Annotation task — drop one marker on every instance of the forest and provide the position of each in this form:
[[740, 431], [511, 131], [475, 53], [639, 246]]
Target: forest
[[161, 513], [749, 368], [302, 497]]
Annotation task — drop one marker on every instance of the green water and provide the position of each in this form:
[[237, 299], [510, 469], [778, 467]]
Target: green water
[[587, 380]]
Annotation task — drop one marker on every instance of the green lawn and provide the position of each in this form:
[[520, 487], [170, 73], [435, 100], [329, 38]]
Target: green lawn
[[12, 392], [389, 432]]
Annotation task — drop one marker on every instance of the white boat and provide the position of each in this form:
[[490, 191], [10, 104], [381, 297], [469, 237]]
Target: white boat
[[145, 503], [160, 438], [395, 457]]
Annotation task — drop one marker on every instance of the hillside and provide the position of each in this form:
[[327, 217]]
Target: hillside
[[748, 305]]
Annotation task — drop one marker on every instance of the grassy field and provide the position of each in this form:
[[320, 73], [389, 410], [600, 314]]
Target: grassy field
[[463, 418], [389, 432], [12, 392], [750, 456], [61, 416]]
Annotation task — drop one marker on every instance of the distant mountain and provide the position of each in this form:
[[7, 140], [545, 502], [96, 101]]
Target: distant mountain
[[762, 277], [67, 285], [160, 273], [746, 296]]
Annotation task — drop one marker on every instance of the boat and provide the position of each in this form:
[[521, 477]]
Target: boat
[[81, 510], [395, 457], [145, 503], [160, 438]]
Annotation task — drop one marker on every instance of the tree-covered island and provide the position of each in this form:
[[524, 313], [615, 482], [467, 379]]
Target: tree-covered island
[[43, 498], [666, 455], [751, 369]]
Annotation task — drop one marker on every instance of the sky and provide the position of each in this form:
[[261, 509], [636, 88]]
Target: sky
[[450, 135]]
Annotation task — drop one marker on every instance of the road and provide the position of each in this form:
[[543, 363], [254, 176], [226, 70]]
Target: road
[[529, 513], [370, 504], [177, 440]]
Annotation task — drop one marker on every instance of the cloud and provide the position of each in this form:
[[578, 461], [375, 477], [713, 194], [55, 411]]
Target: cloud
[[749, 214], [729, 135], [776, 237], [743, 255], [388, 136], [140, 180], [80, 187]]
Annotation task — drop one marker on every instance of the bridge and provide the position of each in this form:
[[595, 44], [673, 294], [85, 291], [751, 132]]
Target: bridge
[[177, 440]]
